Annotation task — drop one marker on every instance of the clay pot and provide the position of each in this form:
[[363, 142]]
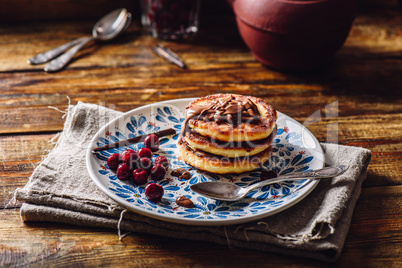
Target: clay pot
[[294, 35]]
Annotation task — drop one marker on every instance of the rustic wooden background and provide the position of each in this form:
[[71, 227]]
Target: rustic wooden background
[[364, 80]]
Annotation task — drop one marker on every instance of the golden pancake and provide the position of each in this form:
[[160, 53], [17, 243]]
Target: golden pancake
[[228, 149], [245, 118], [220, 164]]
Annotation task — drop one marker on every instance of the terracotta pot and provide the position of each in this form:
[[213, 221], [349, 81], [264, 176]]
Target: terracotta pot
[[294, 35]]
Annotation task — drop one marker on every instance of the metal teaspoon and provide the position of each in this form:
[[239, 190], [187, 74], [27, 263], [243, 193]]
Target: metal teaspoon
[[107, 28], [227, 191]]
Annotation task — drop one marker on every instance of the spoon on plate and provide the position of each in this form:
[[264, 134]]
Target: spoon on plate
[[107, 28], [228, 191]]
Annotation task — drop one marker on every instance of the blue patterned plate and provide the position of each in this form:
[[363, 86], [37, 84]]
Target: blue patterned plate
[[295, 149]]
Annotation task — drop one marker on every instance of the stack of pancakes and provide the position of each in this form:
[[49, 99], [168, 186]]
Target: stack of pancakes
[[227, 133]]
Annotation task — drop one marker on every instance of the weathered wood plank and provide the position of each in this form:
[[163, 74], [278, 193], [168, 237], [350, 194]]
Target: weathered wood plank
[[357, 96], [18, 158], [374, 237], [26, 10], [365, 71], [375, 34], [21, 243]]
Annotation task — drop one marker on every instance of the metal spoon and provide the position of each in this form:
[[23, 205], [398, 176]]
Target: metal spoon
[[51, 54], [107, 28], [227, 191]]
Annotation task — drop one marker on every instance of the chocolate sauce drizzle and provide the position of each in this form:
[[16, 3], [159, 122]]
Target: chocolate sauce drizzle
[[233, 110]]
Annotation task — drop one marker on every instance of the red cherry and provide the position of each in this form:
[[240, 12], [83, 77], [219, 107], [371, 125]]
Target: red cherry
[[158, 172], [131, 158], [113, 161], [126, 154], [123, 172], [152, 142], [145, 152], [154, 192], [140, 176], [163, 161], [146, 164]]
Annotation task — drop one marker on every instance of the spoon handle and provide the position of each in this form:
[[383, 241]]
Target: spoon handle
[[51, 54], [327, 172], [60, 62]]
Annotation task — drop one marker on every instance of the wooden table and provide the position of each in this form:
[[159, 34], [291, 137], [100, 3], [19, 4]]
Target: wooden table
[[364, 79]]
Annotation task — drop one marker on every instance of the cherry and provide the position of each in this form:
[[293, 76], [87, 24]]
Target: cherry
[[163, 161], [154, 192], [125, 155], [266, 175], [145, 152], [152, 142], [131, 158], [123, 172], [140, 176], [158, 172], [113, 161], [146, 164]]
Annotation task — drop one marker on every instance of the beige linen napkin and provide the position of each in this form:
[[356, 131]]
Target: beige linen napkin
[[60, 190]]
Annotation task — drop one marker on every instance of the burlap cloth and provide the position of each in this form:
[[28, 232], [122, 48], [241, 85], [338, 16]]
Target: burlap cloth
[[60, 190]]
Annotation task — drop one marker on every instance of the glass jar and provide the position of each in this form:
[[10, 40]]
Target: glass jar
[[170, 19]]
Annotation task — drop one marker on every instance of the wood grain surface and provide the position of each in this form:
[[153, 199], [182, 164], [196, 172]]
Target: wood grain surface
[[358, 97]]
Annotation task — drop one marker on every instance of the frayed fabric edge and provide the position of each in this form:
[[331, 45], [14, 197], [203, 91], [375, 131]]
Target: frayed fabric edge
[[227, 236], [321, 230], [121, 236], [63, 112], [23, 197]]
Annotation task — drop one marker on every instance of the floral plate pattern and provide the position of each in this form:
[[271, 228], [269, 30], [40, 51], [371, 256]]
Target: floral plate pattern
[[295, 149]]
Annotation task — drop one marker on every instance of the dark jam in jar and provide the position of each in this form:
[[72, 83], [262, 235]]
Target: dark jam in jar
[[170, 19]]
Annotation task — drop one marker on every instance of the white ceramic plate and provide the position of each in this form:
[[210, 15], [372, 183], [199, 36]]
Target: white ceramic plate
[[295, 149]]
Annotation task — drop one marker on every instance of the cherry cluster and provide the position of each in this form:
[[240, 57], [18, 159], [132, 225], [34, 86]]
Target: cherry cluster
[[138, 166]]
